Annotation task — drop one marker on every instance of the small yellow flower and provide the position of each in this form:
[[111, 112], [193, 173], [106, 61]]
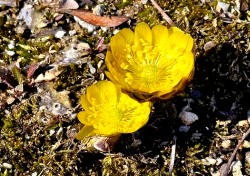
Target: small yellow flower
[[155, 62], [108, 111]]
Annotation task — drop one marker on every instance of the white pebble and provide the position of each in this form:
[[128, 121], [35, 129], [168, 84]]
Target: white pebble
[[34, 174], [10, 53], [59, 34], [7, 165], [188, 117], [144, 1], [11, 45], [90, 28], [72, 32], [91, 68]]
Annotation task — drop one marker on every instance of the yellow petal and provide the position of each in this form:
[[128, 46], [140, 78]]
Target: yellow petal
[[85, 103], [186, 64], [142, 31], [108, 92], [115, 74], [84, 132], [93, 95], [85, 118], [178, 38], [128, 35], [136, 114], [118, 46], [160, 35]]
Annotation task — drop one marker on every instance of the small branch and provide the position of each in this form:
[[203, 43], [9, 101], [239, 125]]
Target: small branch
[[226, 170], [164, 15], [171, 165]]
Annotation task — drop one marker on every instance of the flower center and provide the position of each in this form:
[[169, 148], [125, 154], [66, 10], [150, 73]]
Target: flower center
[[116, 114], [149, 74]]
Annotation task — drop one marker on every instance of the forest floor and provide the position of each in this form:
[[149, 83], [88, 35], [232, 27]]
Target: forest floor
[[47, 60]]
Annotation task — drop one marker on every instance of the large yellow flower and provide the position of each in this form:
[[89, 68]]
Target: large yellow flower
[[108, 111], [151, 63]]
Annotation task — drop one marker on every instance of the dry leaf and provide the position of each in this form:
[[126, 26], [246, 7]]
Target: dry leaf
[[91, 18]]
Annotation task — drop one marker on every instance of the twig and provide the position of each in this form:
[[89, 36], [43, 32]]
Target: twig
[[164, 15], [171, 165], [226, 170]]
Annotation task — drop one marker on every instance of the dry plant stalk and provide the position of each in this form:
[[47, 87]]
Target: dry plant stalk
[[164, 15]]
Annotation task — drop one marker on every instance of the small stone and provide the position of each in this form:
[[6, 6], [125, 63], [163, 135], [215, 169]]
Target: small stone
[[243, 123], [209, 45], [188, 117], [226, 144], [10, 53], [209, 161], [196, 136], [218, 161], [72, 32], [237, 168], [246, 144], [184, 128], [7, 165], [91, 68], [222, 6], [59, 34], [34, 174], [247, 159], [98, 10], [90, 28], [10, 100], [11, 45]]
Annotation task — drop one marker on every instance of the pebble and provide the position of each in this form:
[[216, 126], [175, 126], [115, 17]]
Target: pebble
[[236, 171], [98, 10], [243, 123], [247, 159], [7, 165], [209, 45], [72, 32], [226, 143], [11, 45], [196, 136], [91, 68], [25, 14], [208, 161], [10, 53], [90, 28], [188, 117], [59, 34], [246, 144], [184, 128]]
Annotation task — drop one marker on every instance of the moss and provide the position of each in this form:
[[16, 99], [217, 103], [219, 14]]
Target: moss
[[220, 83]]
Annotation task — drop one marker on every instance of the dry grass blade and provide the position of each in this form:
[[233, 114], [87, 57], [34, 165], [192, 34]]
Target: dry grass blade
[[164, 15], [104, 21]]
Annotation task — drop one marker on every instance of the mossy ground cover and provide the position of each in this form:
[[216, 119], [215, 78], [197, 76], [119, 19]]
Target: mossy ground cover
[[37, 138]]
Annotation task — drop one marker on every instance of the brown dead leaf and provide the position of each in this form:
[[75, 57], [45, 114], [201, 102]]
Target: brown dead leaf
[[104, 21]]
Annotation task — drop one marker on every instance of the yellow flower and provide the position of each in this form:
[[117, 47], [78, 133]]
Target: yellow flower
[[108, 111], [155, 62]]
